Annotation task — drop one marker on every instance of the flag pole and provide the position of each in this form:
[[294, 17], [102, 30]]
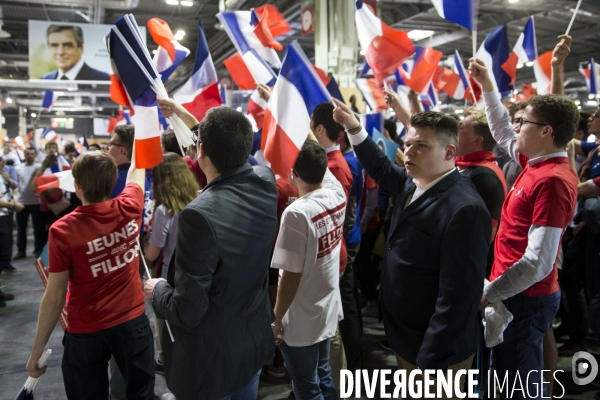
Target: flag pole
[[573, 17], [474, 41], [150, 277]]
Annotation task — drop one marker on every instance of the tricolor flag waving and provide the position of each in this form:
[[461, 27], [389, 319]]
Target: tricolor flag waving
[[372, 94], [385, 48], [169, 53], [49, 98], [423, 68], [494, 52], [238, 26], [287, 119], [461, 12], [201, 91], [256, 108], [592, 77], [525, 50], [542, 68]]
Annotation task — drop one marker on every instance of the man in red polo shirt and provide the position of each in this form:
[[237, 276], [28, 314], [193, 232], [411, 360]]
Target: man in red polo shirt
[[94, 251], [534, 216]]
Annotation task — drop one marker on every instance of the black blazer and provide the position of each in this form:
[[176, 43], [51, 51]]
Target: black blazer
[[219, 309], [435, 261], [86, 73]]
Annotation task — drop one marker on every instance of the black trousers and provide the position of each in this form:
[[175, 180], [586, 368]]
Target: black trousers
[[6, 239], [38, 228], [86, 356], [351, 326]]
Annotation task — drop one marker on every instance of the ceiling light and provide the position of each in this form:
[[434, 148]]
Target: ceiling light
[[529, 64], [582, 12], [519, 66], [513, 1], [25, 110], [9, 100], [173, 2], [179, 34], [239, 109], [591, 96], [459, 111], [577, 102], [100, 108], [579, 107], [362, 52], [186, 3], [59, 93], [154, 51], [33, 115], [418, 34]]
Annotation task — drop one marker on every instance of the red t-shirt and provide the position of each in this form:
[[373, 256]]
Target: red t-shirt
[[339, 168], [545, 194], [98, 244], [370, 184], [286, 194], [195, 168]]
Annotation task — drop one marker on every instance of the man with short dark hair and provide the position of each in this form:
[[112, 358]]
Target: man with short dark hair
[[535, 214], [65, 43], [94, 146], [218, 305], [436, 248], [307, 251], [31, 202], [120, 148], [94, 251]]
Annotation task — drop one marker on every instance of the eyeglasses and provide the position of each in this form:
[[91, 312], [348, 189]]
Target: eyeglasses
[[518, 122]]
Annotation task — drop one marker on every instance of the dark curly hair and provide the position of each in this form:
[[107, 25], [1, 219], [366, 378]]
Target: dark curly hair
[[558, 112]]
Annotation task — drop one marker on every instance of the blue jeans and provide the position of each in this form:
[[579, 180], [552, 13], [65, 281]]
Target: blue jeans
[[522, 347], [248, 392], [310, 371]]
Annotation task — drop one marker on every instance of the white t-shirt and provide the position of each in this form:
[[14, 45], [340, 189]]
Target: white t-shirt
[[12, 155], [24, 176], [309, 242], [4, 196]]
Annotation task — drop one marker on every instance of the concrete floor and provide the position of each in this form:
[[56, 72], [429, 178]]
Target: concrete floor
[[17, 330]]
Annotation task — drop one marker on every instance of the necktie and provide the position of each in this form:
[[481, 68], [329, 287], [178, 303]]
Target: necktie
[[64, 78]]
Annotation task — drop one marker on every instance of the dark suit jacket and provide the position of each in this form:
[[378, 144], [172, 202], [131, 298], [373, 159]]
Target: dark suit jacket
[[219, 309], [86, 73], [435, 261]]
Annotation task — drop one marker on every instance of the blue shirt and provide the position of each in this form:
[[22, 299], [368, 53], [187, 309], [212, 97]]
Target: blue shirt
[[354, 236], [256, 139], [587, 147]]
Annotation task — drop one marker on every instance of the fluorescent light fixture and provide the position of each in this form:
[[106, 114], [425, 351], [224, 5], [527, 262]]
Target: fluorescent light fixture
[[577, 102], [186, 3], [579, 107], [59, 93], [179, 34], [513, 1], [529, 64], [459, 111], [582, 12], [362, 52], [591, 96], [419, 34], [25, 110], [9, 100], [173, 2], [239, 109], [33, 115], [519, 66]]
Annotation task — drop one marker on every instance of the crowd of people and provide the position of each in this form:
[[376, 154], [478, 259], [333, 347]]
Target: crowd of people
[[256, 272]]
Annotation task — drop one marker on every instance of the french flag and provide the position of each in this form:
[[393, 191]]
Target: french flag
[[49, 135], [371, 122], [461, 12], [494, 52], [256, 108], [201, 91], [330, 83], [385, 48], [239, 72], [169, 53], [542, 69], [83, 144], [592, 76], [423, 69], [253, 52], [525, 50], [123, 118], [49, 98], [452, 84], [372, 93], [136, 72], [287, 119], [430, 100], [60, 180]]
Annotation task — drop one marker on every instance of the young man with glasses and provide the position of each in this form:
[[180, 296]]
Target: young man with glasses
[[534, 217]]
